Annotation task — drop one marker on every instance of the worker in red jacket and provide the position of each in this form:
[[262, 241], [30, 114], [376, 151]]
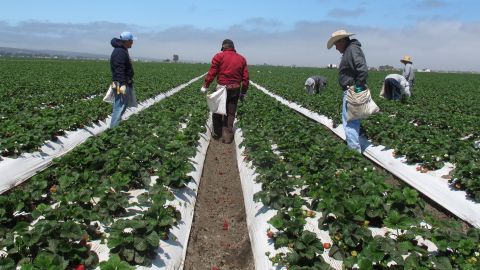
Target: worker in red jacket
[[231, 71]]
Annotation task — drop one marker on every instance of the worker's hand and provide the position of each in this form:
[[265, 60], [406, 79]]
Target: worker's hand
[[203, 89], [122, 89], [242, 97]]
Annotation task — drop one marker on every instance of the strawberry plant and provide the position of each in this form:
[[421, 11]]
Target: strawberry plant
[[134, 241], [305, 251], [46, 260], [59, 239], [114, 263]]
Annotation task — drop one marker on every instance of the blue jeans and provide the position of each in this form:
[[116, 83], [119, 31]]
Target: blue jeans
[[393, 89], [120, 105], [352, 128]]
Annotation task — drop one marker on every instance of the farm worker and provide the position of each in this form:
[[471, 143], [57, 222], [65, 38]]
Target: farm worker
[[395, 87], [315, 84], [408, 72], [122, 76], [353, 71], [231, 70]]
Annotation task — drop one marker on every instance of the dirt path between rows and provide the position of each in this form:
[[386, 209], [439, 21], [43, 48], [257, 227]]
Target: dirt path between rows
[[219, 236]]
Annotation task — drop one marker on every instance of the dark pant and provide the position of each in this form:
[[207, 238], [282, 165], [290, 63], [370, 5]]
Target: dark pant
[[224, 123], [392, 89]]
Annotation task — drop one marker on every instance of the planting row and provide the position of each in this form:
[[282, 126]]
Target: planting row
[[41, 99], [49, 221], [438, 124], [302, 166]]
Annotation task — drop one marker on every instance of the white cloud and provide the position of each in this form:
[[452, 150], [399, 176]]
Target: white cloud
[[447, 45]]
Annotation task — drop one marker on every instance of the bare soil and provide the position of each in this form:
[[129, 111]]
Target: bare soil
[[219, 236]]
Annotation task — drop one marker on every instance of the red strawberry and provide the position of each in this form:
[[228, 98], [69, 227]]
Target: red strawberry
[[80, 267], [326, 245], [225, 225]]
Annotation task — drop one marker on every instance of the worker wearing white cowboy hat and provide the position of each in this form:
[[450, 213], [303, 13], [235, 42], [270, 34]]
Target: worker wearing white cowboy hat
[[352, 71], [408, 71]]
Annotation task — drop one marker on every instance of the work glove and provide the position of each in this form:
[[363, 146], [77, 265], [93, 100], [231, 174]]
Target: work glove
[[203, 89], [121, 89]]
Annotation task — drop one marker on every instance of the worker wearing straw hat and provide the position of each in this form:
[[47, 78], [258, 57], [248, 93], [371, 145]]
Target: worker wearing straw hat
[[408, 71], [352, 71]]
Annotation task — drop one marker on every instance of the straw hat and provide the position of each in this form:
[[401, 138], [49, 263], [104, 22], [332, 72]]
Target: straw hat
[[336, 36], [406, 58]]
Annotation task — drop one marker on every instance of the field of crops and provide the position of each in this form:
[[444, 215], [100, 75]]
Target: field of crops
[[351, 195], [306, 173], [438, 125], [40, 100]]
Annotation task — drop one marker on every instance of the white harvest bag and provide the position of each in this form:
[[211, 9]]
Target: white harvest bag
[[360, 105], [109, 96], [217, 101]]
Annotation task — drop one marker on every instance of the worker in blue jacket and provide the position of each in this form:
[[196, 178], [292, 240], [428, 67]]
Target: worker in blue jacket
[[122, 76]]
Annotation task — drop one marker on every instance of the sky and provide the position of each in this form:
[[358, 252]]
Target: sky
[[438, 34]]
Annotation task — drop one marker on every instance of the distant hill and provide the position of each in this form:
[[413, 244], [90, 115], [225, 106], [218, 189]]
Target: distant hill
[[16, 52]]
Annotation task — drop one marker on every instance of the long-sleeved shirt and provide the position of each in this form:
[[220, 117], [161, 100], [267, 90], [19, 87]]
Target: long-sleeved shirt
[[230, 68], [409, 73], [353, 69]]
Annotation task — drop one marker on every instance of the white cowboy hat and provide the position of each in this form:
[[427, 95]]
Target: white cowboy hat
[[406, 58], [336, 36]]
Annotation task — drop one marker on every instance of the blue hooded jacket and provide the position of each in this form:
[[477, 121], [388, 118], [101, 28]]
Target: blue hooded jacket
[[121, 64]]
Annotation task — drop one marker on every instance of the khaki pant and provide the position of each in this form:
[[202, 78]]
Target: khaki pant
[[223, 124]]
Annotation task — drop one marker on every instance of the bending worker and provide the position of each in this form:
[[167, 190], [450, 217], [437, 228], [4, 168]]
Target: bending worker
[[395, 87], [315, 84]]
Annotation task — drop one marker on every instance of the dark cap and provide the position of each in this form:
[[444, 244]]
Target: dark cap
[[227, 43]]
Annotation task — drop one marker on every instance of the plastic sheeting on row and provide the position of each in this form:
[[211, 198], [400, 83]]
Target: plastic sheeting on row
[[430, 184], [14, 171], [258, 216], [172, 252]]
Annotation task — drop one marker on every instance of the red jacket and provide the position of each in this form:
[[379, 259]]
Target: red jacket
[[230, 68]]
